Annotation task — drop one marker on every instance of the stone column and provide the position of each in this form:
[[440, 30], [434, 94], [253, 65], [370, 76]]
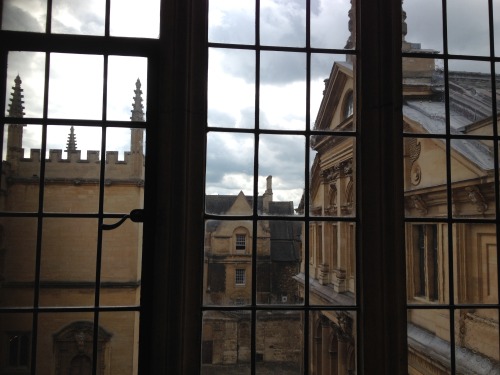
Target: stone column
[[325, 352]]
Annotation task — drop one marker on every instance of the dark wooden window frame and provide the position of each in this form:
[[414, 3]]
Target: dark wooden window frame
[[170, 331]]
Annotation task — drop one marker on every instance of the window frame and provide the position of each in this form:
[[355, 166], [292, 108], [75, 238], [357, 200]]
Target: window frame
[[171, 297]]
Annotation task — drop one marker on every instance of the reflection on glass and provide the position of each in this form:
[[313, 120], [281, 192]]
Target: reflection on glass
[[332, 176], [231, 88], [18, 243], [74, 17], [429, 341], [470, 97], [21, 155], [279, 342], [421, 36], [283, 90], [72, 180], [124, 173], [332, 264], [425, 177], [333, 342], [24, 15], [226, 344], [25, 84], [327, 16], [78, 77], [121, 264], [119, 335], [475, 253], [127, 88], [130, 19], [15, 328], [283, 23], [67, 269], [427, 262], [65, 342], [467, 27], [228, 257], [278, 262], [229, 170], [476, 340], [231, 21], [473, 190], [281, 172]]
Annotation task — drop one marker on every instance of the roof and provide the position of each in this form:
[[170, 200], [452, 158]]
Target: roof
[[285, 240]]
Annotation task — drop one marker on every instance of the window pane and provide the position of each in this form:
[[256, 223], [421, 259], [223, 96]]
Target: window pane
[[231, 21], [24, 15], [15, 331], [130, 19], [422, 36], [332, 15], [283, 23], [231, 88], [25, 84], [73, 17]]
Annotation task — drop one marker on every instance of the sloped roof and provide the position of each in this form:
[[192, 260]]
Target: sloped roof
[[285, 240]]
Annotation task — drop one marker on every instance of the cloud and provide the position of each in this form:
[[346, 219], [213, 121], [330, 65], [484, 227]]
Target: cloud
[[27, 15]]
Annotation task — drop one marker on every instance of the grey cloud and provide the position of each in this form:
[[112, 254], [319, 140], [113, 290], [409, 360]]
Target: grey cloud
[[14, 18], [219, 118]]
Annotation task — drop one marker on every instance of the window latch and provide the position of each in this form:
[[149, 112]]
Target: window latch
[[137, 216]]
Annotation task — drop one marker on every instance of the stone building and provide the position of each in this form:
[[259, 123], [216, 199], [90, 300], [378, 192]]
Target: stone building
[[69, 239], [471, 277]]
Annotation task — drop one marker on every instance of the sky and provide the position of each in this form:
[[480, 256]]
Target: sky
[[75, 85]]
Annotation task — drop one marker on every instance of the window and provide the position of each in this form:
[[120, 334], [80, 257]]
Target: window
[[240, 278], [425, 259], [18, 350], [240, 242], [348, 104]]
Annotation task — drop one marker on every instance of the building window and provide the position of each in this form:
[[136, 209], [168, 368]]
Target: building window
[[241, 242], [240, 276], [426, 261], [19, 350], [348, 105]]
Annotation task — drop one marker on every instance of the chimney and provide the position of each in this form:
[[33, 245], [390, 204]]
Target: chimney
[[268, 194]]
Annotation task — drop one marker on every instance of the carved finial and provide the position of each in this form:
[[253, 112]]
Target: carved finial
[[137, 107], [404, 26], [71, 144], [350, 25], [16, 106]]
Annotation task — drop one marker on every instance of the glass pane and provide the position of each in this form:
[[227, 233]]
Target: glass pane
[[15, 330], [281, 173], [121, 264], [24, 15], [470, 97], [231, 88], [427, 263], [475, 253], [283, 23], [429, 347], [229, 173], [279, 247], [127, 88], [21, 155], [423, 36], [18, 257], [423, 90], [228, 261], [68, 264], [74, 17], [119, 336], [129, 18], [333, 342], [75, 86], [25, 84], [231, 21], [471, 164], [283, 75], [279, 342], [425, 177], [65, 342], [124, 174], [225, 347], [332, 176], [468, 32], [476, 340], [332, 24], [332, 264], [72, 180]]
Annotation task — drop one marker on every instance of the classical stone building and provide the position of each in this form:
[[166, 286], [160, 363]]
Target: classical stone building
[[472, 273], [64, 244]]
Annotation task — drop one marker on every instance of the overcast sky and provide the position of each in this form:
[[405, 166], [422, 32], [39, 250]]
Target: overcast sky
[[76, 81]]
